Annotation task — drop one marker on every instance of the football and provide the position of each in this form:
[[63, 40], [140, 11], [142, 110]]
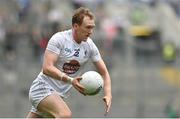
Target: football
[[93, 82]]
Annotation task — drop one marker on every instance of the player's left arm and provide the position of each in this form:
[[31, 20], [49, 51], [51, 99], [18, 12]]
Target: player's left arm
[[101, 67]]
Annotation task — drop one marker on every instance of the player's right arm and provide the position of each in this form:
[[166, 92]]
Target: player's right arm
[[49, 69]]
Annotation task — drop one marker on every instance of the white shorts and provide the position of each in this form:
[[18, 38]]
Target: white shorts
[[38, 91]]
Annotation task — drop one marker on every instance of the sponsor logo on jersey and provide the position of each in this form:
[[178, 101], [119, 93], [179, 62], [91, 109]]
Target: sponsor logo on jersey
[[71, 67], [68, 50]]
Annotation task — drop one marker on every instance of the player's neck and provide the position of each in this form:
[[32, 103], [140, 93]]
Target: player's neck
[[75, 37]]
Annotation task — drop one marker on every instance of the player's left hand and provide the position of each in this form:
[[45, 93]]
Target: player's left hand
[[78, 86], [107, 100]]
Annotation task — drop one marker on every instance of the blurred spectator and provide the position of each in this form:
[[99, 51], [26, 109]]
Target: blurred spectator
[[10, 45], [119, 42], [34, 36], [55, 17], [43, 43], [77, 3], [110, 30], [92, 4], [2, 31], [24, 7], [176, 6]]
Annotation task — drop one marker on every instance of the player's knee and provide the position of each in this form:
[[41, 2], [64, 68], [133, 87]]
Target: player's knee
[[64, 114]]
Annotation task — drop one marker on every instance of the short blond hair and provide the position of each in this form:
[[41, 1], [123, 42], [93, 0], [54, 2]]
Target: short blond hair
[[79, 15]]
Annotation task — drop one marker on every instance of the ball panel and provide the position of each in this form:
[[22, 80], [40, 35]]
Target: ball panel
[[93, 82]]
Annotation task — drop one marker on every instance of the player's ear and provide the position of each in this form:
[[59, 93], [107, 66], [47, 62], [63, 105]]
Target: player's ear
[[75, 25]]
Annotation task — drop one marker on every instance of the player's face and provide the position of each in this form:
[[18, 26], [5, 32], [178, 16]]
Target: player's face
[[85, 29]]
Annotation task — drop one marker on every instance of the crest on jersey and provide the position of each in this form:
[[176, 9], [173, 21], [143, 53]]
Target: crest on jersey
[[85, 54]]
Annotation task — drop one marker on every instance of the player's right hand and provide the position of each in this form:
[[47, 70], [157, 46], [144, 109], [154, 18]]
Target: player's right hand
[[76, 84]]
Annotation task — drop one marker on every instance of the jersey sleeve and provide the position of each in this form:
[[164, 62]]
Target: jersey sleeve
[[95, 55], [55, 43]]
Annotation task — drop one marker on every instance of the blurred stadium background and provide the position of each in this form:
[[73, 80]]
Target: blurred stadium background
[[138, 39]]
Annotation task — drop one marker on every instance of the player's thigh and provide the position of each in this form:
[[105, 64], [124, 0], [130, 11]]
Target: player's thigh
[[54, 105]]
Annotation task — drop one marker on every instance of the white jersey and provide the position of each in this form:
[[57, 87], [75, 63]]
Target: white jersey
[[72, 58]]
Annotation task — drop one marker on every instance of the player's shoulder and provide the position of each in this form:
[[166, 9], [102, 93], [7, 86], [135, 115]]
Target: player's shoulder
[[90, 42], [66, 33], [62, 35]]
